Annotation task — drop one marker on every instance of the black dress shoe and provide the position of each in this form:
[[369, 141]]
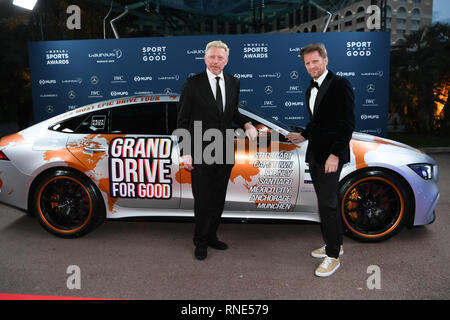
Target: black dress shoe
[[201, 252], [219, 245]]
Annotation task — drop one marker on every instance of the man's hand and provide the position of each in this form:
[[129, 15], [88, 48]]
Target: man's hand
[[331, 164], [295, 137], [250, 131], [187, 162]]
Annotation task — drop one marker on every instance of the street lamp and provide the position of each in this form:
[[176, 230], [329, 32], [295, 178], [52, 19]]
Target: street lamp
[[27, 4]]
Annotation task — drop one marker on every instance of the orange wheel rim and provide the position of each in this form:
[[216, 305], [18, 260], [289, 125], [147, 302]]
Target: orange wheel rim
[[372, 207], [64, 205]]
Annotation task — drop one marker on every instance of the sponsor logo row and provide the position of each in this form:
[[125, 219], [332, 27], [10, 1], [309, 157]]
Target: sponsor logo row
[[159, 53]]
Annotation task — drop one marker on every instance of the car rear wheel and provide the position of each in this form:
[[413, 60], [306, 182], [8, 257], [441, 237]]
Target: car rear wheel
[[68, 204], [374, 205]]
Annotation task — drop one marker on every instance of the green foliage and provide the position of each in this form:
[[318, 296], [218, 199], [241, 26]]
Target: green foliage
[[419, 74]]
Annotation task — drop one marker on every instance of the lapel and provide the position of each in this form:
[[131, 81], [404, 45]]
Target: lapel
[[228, 92], [209, 95], [322, 90], [308, 95]]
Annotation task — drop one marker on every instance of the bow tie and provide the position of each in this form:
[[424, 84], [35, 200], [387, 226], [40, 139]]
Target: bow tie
[[314, 84]]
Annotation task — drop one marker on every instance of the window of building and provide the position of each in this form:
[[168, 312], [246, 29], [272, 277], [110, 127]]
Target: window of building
[[401, 11], [388, 11], [298, 16], [415, 12], [281, 23], [208, 26], [232, 28], [220, 27]]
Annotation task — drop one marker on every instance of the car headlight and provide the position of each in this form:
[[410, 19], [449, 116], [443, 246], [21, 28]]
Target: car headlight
[[424, 170]]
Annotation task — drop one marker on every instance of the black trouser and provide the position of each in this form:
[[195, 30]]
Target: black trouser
[[326, 187], [209, 187]]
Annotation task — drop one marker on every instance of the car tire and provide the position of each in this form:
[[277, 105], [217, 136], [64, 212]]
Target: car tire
[[374, 205], [68, 204]]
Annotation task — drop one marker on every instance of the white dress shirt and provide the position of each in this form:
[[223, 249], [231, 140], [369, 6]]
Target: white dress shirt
[[212, 83], [314, 91]]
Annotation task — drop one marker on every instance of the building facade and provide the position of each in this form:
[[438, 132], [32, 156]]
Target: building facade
[[402, 18]]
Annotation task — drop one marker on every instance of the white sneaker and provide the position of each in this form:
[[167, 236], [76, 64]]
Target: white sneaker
[[321, 253], [327, 267]]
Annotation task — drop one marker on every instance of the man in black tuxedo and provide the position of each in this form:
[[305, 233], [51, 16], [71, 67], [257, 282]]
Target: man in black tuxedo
[[210, 100], [330, 103]]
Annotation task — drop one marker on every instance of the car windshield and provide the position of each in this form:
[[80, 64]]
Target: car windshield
[[263, 115]]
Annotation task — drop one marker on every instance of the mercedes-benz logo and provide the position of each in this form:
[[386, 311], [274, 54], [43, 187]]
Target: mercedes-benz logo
[[370, 88], [167, 91], [49, 109], [71, 94], [95, 80], [294, 75], [242, 103], [268, 90]]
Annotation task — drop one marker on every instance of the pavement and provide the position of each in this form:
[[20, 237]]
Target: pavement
[[265, 261]]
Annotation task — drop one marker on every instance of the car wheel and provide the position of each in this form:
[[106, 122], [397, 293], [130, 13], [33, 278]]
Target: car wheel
[[68, 204], [374, 205]]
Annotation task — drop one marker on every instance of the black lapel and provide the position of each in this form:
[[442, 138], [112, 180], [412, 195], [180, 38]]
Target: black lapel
[[308, 95], [228, 92], [322, 90]]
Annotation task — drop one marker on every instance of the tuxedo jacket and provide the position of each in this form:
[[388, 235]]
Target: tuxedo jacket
[[332, 122], [197, 103]]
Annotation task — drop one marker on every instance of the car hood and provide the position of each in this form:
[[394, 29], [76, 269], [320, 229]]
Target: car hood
[[358, 136]]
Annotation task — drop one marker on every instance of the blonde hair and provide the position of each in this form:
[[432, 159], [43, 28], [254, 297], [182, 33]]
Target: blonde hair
[[217, 44]]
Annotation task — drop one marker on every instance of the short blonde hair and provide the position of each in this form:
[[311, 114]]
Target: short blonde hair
[[217, 44]]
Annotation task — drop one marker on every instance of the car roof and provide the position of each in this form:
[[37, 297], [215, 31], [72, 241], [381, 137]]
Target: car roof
[[112, 103]]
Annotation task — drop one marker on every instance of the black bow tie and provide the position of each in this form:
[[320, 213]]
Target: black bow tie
[[314, 84]]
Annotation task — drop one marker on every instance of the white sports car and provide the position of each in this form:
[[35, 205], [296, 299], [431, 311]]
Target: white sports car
[[120, 159]]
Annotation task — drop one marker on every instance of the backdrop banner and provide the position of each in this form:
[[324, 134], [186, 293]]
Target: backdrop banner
[[69, 74]]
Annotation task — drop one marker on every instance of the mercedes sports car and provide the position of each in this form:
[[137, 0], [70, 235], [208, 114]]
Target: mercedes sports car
[[119, 159]]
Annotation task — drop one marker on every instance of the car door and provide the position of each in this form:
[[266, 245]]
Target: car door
[[265, 175], [130, 154]]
